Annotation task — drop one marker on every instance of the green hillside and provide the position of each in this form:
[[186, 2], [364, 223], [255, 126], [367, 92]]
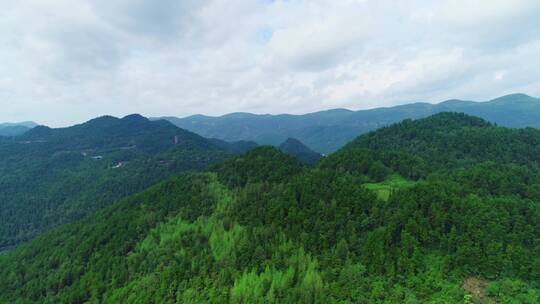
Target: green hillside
[[53, 176], [460, 224]]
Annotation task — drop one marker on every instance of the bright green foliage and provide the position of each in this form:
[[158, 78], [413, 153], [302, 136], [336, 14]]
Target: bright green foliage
[[389, 186], [513, 291], [298, 282], [260, 228]]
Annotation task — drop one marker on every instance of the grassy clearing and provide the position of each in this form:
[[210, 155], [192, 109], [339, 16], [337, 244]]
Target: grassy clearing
[[391, 184]]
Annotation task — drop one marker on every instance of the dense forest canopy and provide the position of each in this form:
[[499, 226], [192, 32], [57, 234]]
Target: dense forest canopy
[[438, 210]]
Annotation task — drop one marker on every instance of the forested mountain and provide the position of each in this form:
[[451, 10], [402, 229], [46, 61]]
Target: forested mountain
[[14, 129], [294, 147], [327, 131], [53, 176], [438, 210]]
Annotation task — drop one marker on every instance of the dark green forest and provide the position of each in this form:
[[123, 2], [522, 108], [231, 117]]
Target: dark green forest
[[437, 210]]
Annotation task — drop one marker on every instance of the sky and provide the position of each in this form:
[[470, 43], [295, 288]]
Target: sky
[[66, 61]]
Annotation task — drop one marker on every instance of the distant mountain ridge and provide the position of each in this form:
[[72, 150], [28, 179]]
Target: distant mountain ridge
[[14, 129], [327, 131], [28, 124]]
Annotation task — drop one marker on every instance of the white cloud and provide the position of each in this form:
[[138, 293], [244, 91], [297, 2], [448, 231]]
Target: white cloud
[[64, 61]]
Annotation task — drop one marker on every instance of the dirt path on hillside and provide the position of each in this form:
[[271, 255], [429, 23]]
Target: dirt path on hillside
[[477, 288]]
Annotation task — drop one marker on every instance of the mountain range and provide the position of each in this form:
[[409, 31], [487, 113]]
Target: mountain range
[[327, 131], [437, 209], [442, 209]]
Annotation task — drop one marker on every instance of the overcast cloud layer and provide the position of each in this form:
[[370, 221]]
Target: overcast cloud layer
[[65, 61]]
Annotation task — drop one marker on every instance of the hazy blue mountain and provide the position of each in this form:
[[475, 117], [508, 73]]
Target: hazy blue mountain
[[14, 129], [234, 147], [327, 131], [53, 176], [28, 124], [296, 148]]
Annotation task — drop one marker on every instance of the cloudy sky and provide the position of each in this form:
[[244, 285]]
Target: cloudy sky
[[65, 61]]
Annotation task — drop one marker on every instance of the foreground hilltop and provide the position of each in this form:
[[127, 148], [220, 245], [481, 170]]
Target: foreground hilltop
[[459, 217], [327, 131]]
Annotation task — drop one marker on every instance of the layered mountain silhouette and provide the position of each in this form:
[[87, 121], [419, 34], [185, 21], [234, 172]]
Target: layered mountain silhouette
[[327, 131]]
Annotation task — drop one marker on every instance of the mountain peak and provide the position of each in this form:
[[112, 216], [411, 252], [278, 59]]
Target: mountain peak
[[513, 98], [105, 119], [135, 118], [296, 148], [292, 141], [37, 132], [109, 121]]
